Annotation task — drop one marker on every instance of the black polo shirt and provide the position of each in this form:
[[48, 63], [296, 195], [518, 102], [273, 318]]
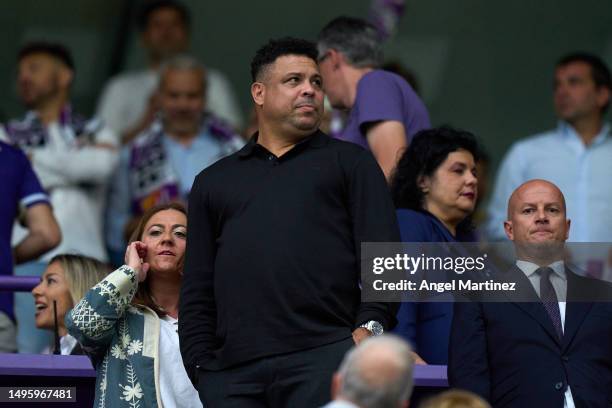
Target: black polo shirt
[[272, 262]]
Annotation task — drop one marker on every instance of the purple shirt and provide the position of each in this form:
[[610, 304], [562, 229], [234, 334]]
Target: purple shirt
[[19, 186], [383, 96]]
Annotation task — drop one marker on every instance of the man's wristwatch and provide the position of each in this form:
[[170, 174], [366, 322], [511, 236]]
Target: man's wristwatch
[[373, 327]]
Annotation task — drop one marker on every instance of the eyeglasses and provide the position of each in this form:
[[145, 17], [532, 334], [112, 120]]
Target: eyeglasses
[[323, 57]]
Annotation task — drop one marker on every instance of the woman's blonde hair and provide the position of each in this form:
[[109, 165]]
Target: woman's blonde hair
[[81, 273], [456, 399]]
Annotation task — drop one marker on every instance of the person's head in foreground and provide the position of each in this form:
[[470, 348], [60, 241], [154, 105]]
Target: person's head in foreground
[[287, 89], [376, 374], [456, 399], [163, 232], [437, 173], [537, 222], [65, 281]]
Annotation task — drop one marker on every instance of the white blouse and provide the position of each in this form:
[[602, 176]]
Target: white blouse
[[176, 389]]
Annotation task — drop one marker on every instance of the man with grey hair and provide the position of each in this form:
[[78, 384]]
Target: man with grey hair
[[385, 112], [160, 164], [375, 374]]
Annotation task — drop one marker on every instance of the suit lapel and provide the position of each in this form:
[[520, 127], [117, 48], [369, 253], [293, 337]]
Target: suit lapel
[[576, 309], [526, 298]]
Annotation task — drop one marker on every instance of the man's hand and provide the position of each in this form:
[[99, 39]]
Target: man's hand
[[360, 334]]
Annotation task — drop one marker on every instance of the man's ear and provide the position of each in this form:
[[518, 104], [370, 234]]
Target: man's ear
[[258, 91], [336, 59], [336, 385], [567, 230], [65, 77], [509, 230], [603, 96]]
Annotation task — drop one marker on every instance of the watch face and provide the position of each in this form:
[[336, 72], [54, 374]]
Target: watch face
[[376, 328]]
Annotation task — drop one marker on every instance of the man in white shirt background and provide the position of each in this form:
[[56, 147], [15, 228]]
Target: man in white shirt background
[[128, 103], [72, 156], [576, 156], [159, 165]]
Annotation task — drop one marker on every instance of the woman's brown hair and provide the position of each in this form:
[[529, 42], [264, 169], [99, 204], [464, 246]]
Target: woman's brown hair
[[143, 294]]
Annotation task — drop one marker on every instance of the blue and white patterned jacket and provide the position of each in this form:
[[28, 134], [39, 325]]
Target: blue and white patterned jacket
[[122, 341]]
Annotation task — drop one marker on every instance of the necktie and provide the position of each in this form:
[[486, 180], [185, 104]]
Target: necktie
[[549, 299]]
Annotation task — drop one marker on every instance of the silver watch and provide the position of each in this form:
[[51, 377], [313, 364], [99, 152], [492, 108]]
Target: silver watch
[[373, 327]]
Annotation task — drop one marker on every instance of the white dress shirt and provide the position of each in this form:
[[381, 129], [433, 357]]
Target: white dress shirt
[[67, 344], [176, 389]]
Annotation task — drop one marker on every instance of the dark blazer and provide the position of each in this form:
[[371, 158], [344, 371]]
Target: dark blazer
[[77, 350], [425, 325], [509, 354]]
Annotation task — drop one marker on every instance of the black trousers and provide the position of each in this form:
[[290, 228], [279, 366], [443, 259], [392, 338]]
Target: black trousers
[[299, 379]]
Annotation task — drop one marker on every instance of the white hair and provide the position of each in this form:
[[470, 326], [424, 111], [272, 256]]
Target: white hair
[[183, 62], [378, 372]]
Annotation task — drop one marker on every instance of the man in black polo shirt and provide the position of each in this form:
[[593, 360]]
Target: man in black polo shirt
[[270, 299]]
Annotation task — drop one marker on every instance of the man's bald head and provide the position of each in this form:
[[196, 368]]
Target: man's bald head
[[535, 184], [537, 214]]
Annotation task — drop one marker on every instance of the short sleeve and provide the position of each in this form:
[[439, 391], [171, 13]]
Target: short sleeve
[[30, 190], [379, 98]]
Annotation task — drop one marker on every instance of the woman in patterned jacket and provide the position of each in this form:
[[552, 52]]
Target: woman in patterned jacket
[[128, 323]]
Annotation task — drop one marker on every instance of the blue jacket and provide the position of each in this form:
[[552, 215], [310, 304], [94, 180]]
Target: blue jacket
[[425, 325]]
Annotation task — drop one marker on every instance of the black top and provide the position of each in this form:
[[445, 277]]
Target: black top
[[273, 247]]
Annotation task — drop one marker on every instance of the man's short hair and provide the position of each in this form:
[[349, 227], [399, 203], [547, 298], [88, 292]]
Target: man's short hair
[[599, 70], [368, 387], [183, 62], [266, 55], [152, 6], [355, 38], [55, 50]]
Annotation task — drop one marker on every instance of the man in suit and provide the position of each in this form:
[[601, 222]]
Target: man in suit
[[536, 350]]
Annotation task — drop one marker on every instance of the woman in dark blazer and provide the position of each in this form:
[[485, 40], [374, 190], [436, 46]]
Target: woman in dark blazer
[[434, 190]]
